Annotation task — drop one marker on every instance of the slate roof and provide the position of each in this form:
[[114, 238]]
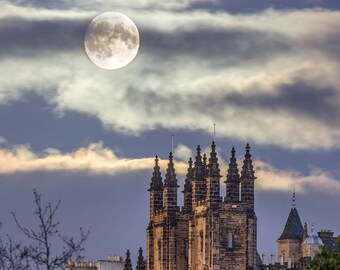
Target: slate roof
[[293, 228]]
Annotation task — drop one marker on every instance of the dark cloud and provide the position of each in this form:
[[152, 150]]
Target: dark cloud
[[298, 97], [22, 37], [254, 6], [232, 6], [222, 46], [49, 4]]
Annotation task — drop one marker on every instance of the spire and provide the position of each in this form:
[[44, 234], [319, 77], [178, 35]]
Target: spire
[[170, 188], [198, 170], [187, 191], [213, 178], [156, 190], [248, 168], [190, 174], [140, 261], [213, 166], [127, 265], [205, 166], [293, 199], [247, 180], [198, 181], [156, 179], [170, 176], [233, 175], [233, 179]]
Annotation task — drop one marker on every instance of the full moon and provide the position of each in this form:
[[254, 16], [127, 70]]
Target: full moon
[[111, 40]]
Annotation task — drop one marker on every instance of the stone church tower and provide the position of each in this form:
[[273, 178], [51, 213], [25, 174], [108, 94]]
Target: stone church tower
[[209, 232]]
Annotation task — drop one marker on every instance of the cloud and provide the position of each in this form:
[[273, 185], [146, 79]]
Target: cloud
[[2, 140], [118, 4], [270, 77], [271, 178], [94, 158], [182, 152], [97, 159]]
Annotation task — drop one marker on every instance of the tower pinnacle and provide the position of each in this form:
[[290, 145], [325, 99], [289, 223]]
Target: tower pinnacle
[[170, 188], [156, 179], [233, 179]]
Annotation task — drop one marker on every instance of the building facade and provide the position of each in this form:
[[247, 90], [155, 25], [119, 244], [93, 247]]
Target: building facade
[[295, 247], [209, 232]]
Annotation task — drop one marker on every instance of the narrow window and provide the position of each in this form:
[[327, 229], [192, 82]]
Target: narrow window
[[240, 192], [230, 240], [159, 250], [186, 248], [201, 237]]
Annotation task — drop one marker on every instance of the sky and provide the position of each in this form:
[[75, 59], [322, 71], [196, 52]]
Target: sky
[[264, 72]]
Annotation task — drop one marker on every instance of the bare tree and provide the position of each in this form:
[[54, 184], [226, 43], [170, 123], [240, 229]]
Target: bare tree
[[13, 255], [41, 253]]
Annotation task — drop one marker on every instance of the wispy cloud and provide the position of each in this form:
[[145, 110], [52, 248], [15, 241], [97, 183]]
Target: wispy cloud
[[270, 76], [271, 178], [97, 159]]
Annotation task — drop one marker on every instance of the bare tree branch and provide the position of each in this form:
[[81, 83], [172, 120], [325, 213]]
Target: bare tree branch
[[41, 253]]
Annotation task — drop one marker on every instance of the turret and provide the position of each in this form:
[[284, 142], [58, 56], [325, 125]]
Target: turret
[[156, 190], [233, 180], [198, 191], [187, 208], [170, 187], [289, 243], [213, 177], [248, 179]]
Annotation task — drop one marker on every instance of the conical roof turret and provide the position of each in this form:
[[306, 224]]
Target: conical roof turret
[[156, 179], [293, 228]]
